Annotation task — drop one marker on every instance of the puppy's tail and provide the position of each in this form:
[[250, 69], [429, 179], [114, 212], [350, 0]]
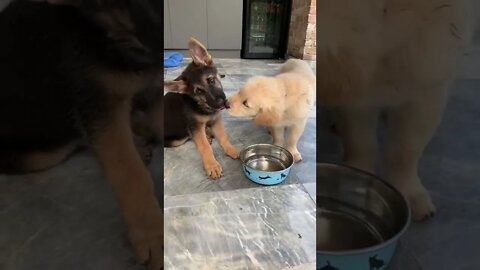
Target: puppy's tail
[[298, 66]]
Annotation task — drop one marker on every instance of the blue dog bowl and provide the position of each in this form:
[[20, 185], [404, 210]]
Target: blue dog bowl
[[360, 219], [266, 164]]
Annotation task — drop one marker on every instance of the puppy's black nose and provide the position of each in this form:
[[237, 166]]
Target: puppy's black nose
[[227, 104], [220, 101]]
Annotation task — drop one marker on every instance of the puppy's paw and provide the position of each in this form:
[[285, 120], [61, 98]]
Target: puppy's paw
[[148, 244], [297, 157], [213, 169], [233, 152], [422, 206], [420, 202]]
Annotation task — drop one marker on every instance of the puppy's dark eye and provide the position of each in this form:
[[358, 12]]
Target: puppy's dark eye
[[246, 104], [198, 90], [211, 80]]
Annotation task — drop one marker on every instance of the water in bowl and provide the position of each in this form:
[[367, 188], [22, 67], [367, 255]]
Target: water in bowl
[[266, 163], [337, 231]]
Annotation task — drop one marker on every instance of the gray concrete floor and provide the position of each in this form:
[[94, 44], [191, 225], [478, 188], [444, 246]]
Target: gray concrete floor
[[233, 223]]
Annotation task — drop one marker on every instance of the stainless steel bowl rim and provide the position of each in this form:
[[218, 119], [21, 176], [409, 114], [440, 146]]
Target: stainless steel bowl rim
[[242, 152], [390, 241]]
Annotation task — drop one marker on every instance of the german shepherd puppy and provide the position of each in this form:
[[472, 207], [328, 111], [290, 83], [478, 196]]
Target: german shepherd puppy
[[193, 104], [69, 70]]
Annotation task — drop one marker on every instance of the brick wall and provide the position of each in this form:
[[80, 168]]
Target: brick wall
[[302, 33]]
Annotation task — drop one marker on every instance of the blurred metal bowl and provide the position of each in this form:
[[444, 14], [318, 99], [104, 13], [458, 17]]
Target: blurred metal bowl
[[266, 164], [359, 220]]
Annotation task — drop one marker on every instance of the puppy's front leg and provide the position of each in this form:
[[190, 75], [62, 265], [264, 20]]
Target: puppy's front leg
[[410, 128], [210, 164], [222, 137], [277, 135], [293, 135], [132, 184]]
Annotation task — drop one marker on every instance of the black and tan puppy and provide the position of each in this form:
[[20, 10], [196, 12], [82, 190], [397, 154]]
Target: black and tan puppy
[[192, 106], [69, 70]]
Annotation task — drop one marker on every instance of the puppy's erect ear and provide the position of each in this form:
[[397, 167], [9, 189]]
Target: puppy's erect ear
[[267, 117], [175, 86], [198, 52]]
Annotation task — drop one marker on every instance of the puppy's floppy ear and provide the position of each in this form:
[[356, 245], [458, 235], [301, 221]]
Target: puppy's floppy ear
[[175, 86], [267, 117], [198, 52]]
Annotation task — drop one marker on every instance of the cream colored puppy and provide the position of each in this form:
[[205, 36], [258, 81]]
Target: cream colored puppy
[[399, 56], [280, 102]]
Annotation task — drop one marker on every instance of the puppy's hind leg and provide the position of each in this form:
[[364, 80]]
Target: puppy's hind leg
[[411, 126], [37, 161], [293, 135], [209, 132], [176, 142]]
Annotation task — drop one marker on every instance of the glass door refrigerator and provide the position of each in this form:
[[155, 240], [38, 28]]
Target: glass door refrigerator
[[265, 29]]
